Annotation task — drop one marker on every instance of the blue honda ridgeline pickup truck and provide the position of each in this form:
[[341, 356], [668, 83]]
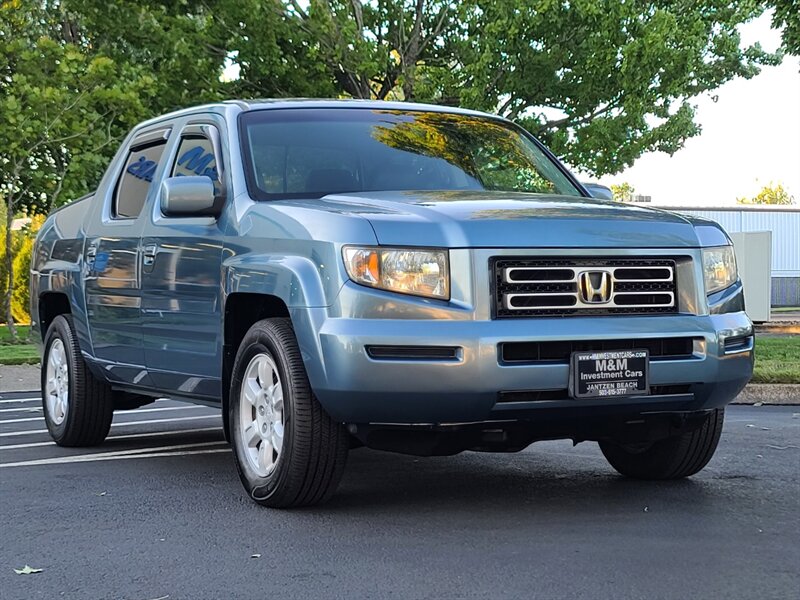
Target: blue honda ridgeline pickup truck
[[411, 278]]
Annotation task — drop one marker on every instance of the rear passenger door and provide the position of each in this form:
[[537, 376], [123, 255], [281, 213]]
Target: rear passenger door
[[181, 276], [111, 256]]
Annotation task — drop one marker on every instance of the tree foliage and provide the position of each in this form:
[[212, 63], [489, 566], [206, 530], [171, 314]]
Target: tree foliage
[[61, 109], [600, 81], [23, 250], [769, 194], [623, 192], [787, 16], [178, 44]]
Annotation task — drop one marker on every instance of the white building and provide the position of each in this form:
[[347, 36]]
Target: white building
[[784, 223]]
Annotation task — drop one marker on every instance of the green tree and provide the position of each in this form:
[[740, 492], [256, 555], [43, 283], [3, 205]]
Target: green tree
[[623, 192], [603, 82], [61, 111], [787, 16], [769, 194], [277, 52], [20, 295], [177, 43], [600, 81]]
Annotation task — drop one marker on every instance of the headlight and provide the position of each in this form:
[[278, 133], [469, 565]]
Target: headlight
[[418, 272], [719, 266]]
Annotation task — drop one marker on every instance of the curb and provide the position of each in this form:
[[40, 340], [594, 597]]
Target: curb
[[779, 327], [770, 393]]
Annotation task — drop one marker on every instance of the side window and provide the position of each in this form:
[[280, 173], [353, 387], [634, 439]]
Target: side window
[[196, 157], [135, 180]]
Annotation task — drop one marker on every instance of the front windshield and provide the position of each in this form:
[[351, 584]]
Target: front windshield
[[309, 153]]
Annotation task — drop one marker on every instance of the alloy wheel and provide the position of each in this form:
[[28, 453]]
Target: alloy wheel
[[261, 415], [57, 383]]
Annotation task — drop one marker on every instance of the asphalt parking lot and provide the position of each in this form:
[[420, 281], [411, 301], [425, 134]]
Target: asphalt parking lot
[[158, 512]]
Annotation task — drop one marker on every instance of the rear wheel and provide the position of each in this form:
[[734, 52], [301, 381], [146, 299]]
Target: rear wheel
[[78, 407], [288, 451], [673, 458]]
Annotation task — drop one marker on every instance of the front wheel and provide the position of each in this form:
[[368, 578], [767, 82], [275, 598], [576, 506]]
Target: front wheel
[[288, 451], [673, 458]]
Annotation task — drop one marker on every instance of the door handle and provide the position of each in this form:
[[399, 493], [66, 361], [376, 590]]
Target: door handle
[[91, 255], [150, 254]]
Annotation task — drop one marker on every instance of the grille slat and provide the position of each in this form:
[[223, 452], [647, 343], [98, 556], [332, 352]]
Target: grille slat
[[526, 287]]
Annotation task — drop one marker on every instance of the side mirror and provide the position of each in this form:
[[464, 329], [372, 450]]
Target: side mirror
[[189, 197], [599, 191]]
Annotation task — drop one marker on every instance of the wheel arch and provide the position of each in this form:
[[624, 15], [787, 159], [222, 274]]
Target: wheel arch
[[263, 286], [51, 305]]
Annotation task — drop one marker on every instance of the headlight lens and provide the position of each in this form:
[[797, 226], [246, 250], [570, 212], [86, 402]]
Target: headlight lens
[[407, 271], [719, 265]]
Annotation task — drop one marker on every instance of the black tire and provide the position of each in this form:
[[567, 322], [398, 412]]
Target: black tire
[[314, 447], [673, 458], [90, 408]]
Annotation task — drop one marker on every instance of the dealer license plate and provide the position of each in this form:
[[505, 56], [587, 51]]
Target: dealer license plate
[[607, 374]]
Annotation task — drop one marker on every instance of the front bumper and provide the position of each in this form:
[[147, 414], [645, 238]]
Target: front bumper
[[355, 388]]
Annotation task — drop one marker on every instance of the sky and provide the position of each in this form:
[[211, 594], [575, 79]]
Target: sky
[[750, 137]]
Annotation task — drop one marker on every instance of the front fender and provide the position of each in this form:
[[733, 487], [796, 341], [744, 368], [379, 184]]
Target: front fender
[[307, 286], [297, 280]]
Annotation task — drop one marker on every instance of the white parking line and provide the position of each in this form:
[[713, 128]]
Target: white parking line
[[125, 424], [25, 420], [152, 455], [117, 414], [21, 409], [139, 452], [130, 436], [37, 398]]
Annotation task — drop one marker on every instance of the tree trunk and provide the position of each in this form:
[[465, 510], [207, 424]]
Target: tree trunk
[[9, 258], [410, 56]]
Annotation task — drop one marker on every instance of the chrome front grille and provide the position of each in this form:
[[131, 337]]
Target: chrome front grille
[[575, 286]]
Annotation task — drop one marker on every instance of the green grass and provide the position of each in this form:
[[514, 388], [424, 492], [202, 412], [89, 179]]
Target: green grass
[[19, 353], [23, 332], [786, 309], [777, 358]]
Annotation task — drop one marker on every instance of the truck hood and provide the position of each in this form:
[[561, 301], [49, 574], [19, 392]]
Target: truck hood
[[512, 220]]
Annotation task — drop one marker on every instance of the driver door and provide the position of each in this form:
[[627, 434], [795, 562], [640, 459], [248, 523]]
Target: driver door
[[181, 278]]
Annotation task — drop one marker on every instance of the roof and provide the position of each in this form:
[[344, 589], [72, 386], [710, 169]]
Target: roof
[[278, 103], [356, 103]]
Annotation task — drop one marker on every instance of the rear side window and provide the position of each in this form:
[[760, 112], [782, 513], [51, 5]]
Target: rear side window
[[134, 183]]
